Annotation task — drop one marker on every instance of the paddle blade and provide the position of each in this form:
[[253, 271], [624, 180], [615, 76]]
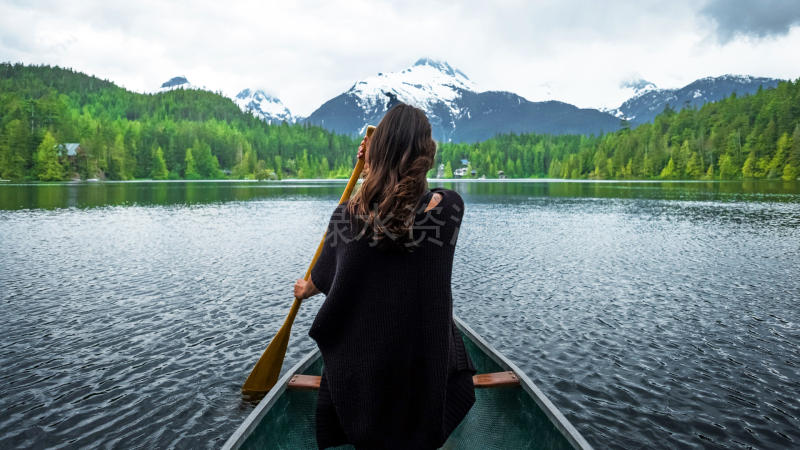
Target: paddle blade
[[267, 370]]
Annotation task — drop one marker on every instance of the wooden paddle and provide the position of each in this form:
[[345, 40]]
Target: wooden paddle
[[268, 368]]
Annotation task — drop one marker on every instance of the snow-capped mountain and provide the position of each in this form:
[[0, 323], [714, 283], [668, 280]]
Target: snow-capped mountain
[[630, 88], [254, 101], [455, 108], [459, 112], [650, 101], [263, 106], [639, 86], [178, 83]]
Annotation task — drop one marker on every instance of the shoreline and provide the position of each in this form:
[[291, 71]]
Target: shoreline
[[344, 180]]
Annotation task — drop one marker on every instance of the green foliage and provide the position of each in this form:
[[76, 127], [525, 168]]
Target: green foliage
[[713, 141], [159, 171], [120, 130], [448, 170], [790, 172], [203, 135], [48, 167], [263, 173], [190, 172], [669, 171], [710, 172], [749, 169], [694, 167], [727, 168]]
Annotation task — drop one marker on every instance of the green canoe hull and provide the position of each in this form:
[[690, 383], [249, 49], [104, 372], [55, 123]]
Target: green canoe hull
[[510, 417]]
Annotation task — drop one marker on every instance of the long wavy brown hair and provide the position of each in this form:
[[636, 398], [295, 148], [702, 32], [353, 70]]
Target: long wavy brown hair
[[400, 153]]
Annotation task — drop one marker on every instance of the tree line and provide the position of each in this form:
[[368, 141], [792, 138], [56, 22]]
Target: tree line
[[180, 134], [193, 134], [756, 136]]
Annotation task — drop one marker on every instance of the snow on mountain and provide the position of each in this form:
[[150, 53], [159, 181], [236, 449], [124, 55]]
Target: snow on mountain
[[178, 83], [633, 87], [254, 101], [427, 84], [456, 110], [263, 106], [638, 86], [648, 102]]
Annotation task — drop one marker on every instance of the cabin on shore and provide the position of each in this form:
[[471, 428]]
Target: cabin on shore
[[71, 153], [69, 150], [462, 171]]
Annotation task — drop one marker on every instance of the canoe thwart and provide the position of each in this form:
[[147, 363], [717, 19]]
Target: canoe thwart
[[304, 382], [481, 380], [495, 379]]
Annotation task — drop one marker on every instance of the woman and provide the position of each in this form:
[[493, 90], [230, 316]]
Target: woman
[[396, 372]]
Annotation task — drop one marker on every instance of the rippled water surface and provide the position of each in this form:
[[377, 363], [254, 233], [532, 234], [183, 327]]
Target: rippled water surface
[[652, 314]]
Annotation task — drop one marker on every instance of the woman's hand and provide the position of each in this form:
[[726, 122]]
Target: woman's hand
[[362, 148], [304, 289]]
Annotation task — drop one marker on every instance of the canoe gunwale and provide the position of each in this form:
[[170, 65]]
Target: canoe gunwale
[[254, 418], [556, 417]]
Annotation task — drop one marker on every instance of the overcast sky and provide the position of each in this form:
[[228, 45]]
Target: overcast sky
[[306, 52]]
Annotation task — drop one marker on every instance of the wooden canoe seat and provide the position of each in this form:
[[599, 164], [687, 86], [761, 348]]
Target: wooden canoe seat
[[481, 380]]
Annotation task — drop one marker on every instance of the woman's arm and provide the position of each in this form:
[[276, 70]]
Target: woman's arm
[[305, 288]]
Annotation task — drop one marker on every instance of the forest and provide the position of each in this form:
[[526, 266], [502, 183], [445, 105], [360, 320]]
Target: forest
[[755, 136], [180, 134], [194, 134]]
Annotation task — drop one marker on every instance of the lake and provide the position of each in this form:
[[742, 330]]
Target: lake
[[653, 314]]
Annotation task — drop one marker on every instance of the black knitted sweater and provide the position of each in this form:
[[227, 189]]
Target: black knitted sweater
[[396, 374]]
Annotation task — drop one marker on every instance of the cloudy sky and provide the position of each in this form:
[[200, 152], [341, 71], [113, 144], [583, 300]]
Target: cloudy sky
[[306, 52]]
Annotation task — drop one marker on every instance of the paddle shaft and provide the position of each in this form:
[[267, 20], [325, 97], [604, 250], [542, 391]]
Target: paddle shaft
[[345, 196], [266, 371]]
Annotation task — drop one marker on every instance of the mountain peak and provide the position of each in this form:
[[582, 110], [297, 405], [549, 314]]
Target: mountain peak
[[256, 93], [263, 106], [639, 85], [441, 66], [647, 103], [174, 81]]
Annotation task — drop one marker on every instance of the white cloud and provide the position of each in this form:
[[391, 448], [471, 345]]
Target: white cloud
[[308, 52]]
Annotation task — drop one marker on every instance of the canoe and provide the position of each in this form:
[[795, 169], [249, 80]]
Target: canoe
[[510, 412]]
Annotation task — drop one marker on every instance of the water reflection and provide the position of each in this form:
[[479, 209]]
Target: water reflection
[[87, 195]]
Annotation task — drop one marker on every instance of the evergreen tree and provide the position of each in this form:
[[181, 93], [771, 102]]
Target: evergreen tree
[[749, 168], [116, 159], [669, 172], [727, 168], [448, 170], [17, 144], [710, 172], [206, 164], [774, 168], [555, 169], [790, 172], [48, 167], [159, 171], [190, 173], [694, 167], [794, 154]]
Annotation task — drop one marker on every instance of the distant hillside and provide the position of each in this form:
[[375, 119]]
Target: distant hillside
[[756, 136], [179, 133], [649, 101], [190, 133]]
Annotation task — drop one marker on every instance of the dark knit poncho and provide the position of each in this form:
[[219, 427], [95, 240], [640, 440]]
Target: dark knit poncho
[[396, 372]]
